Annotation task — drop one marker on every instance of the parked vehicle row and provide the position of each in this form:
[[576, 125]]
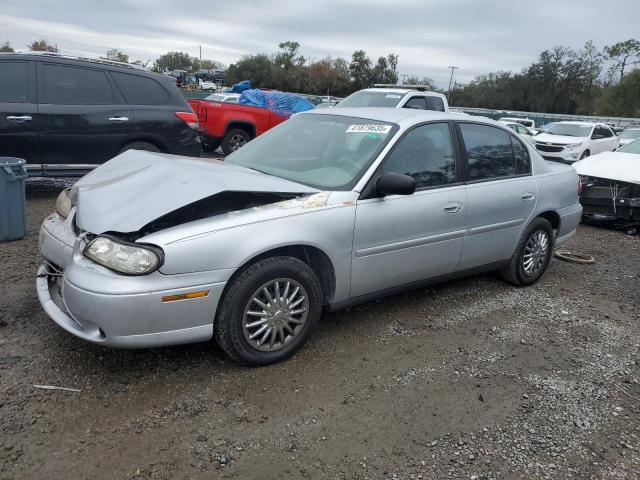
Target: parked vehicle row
[[66, 115], [326, 210]]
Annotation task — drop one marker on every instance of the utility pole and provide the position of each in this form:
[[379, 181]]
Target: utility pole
[[200, 63], [404, 75], [451, 81]]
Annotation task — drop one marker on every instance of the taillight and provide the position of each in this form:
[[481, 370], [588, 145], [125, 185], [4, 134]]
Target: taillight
[[202, 114], [190, 118]]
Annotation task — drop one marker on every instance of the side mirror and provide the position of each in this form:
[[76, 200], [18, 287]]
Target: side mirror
[[393, 183]]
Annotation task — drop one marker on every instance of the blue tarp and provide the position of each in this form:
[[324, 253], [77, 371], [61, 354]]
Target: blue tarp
[[281, 103], [239, 87]]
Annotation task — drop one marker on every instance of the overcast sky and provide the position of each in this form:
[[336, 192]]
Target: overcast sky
[[478, 36]]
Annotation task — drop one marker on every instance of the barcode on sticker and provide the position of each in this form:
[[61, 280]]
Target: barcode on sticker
[[383, 129]]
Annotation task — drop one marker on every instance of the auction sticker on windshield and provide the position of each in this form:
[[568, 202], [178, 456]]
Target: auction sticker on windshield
[[383, 129]]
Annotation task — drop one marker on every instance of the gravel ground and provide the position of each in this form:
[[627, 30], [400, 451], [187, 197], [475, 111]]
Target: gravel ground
[[473, 379]]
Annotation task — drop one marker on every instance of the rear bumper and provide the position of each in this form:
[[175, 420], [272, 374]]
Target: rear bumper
[[569, 220]]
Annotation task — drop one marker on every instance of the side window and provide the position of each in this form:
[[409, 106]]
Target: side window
[[139, 90], [435, 103], [64, 85], [426, 154], [419, 103], [14, 82], [523, 130], [488, 151], [523, 161], [606, 131]]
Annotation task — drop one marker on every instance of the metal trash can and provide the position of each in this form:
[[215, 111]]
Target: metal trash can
[[13, 175]]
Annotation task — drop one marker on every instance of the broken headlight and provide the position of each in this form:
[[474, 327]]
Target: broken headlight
[[122, 257], [63, 203]]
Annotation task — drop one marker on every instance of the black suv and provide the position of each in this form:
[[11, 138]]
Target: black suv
[[66, 115]]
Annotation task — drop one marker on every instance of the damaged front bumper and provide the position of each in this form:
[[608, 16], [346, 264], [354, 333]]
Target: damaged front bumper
[[104, 307], [603, 198]]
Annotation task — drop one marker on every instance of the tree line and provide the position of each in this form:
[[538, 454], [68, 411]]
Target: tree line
[[564, 80], [584, 81]]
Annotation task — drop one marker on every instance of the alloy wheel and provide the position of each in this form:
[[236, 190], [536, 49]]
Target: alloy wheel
[[535, 252]]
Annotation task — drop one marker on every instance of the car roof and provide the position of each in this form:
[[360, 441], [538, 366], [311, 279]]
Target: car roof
[[403, 91], [72, 60], [402, 116], [575, 122]]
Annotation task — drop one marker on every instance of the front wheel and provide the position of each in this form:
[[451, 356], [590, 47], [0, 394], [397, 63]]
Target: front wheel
[[532, 255], [268, 311], [234, 139]]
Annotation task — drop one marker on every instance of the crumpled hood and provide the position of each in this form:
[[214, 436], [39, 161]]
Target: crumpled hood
[[619, 166], [562, 139], [137, 187]]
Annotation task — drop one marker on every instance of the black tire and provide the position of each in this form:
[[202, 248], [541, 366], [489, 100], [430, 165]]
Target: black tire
[[515, 272], [234, 139], [148, 147], [238, 295], [585, 154], [210, 144]]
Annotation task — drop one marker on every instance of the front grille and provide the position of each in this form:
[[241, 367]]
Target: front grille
[[549, 148], [557, 159]]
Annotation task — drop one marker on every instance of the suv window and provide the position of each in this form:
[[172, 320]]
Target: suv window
[[14, 82], [139, 90], [64, 85], [488, 150], [435, 103], [522, 130], [606, 132], [419, 103], [426, 154]]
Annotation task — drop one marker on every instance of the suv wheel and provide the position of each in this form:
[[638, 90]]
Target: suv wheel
[[234, 139], [268, 311], [532, 255], [148, 147]]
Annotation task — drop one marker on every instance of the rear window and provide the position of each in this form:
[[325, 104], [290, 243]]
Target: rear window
[[368, 98], [139, 90], [435, 103], [64, 85], [14, 82]]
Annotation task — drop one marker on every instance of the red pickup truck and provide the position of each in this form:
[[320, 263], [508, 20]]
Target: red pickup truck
[[230, 124]]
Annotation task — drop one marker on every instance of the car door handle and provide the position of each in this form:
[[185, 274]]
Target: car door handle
[[528, 196], [19, 119], [453, 207], [118, 119]]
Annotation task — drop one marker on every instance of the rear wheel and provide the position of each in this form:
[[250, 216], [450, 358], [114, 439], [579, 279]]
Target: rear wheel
[[148, 147], [268, 311], [532, 256], [234, 139]]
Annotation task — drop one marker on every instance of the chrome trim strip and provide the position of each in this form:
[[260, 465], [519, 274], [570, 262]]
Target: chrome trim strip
[[416, 242], [69, 166], [494, 226]]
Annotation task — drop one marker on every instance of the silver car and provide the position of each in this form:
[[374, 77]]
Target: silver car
[[322, 212]]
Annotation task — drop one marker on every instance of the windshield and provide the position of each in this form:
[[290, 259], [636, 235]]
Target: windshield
[[328, 152], [217, 97], [570, 130], [367, 98], [633, 147], [630, 134]]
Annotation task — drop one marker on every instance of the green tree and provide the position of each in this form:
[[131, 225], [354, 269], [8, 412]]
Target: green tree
[[43, 46], [622, 99], [426, 82], [6, 47], [210, 64], [257, 68], [385, 70], [622, 54], [360, 69], [116, 55], [174, 61]]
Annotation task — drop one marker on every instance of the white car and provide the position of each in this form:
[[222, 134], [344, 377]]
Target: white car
[[522, 131], [629, 135], [527, 122], [568, 142], [207, 86], [397, 96], [223, 97]]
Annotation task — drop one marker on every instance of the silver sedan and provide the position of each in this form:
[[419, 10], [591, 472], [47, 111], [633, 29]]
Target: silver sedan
[[324, 211]]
